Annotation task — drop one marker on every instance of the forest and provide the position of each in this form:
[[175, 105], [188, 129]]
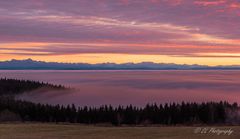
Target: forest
[[185, 113], [14, 86]]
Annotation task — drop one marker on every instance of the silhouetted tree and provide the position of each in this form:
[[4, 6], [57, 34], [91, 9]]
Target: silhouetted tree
[[167, 114]]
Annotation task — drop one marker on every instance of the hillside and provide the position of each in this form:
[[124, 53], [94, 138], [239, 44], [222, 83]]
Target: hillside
[[14, 86]]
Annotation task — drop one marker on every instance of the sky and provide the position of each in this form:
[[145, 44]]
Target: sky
[[202, 32]]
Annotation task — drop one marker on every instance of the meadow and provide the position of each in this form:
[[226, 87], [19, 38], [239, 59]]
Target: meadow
[[76, 131]]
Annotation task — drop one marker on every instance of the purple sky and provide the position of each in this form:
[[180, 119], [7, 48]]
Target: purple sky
[[131, 30]]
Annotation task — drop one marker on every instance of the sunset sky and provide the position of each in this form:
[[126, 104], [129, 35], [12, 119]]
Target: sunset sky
[[203, 32]]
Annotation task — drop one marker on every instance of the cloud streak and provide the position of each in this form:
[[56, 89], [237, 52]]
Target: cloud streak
[[200, 28]]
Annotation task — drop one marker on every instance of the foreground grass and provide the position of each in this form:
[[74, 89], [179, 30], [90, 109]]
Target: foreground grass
[[53, 131]]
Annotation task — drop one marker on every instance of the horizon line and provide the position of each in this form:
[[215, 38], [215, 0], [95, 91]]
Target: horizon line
[[30, 59]]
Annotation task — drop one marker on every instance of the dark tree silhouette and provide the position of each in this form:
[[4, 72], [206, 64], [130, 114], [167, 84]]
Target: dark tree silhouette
[[14, 86], [184, 113]]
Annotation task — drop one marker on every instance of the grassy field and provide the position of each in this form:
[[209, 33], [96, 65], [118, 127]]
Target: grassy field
[[53, 131]]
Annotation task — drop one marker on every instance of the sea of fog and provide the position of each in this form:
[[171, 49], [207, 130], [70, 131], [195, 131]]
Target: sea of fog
[[95, 88]]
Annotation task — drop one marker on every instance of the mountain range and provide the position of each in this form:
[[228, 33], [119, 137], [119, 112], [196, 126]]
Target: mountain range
[[29, 64]]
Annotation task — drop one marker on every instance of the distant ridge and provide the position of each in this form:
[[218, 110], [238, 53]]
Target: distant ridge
[[30, 64]]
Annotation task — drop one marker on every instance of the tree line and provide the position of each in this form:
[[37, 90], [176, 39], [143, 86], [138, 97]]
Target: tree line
[[167, 114], [14, 86], [184, 113]]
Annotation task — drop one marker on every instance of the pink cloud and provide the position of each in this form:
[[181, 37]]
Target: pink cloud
[[210, 2], [167, 22]]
